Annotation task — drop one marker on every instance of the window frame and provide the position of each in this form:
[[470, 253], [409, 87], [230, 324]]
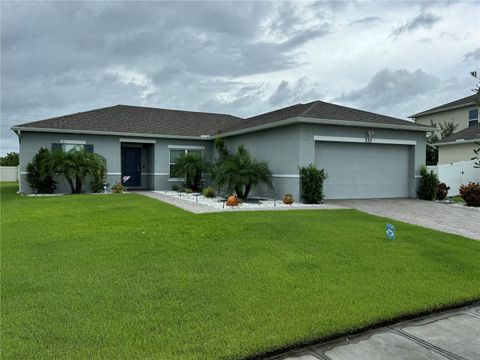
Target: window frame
[[185, 150], [472, 121]]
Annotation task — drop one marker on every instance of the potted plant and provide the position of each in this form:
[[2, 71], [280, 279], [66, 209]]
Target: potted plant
[[288, 199], [232, 200]]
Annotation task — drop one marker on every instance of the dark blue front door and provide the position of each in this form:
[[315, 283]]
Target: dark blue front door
[[131, 166]]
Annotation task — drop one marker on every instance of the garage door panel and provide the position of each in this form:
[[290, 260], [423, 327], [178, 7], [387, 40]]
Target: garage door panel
[[363, 170]]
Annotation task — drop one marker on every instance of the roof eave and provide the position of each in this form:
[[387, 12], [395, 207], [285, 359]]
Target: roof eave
[[430, 112], [110, 133], [458, 142], [298, 120]]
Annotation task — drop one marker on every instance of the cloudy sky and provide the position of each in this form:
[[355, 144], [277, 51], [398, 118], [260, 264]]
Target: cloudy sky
[[242, 58]]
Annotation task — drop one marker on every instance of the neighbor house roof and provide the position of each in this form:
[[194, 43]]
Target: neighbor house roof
[[466, 101], [470, 134], [123, 119]]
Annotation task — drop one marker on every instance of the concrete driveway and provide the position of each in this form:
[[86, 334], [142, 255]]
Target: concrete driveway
[[444, 217]]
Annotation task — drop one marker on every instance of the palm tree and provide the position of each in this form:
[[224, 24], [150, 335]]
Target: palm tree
[[191, 167], [239, 172], [75, 165]]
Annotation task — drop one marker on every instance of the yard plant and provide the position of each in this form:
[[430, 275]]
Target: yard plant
[[126, 276], [470, 193], [311, 183], [191, 167], [240, 172], [428, 187], [38, 176]]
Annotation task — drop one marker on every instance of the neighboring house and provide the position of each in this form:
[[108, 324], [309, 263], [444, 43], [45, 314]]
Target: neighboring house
[[463, 112], [366, 155], [459, 146]]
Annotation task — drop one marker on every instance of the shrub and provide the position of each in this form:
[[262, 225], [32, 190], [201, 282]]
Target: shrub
[[240, 172], [11, 159], [470, 193], [118, 188], [442, 191], [39, 177], [427, 189], [209, 192], [175, 187], [311, 182], [188, 190], [191, 167], [75, 165]]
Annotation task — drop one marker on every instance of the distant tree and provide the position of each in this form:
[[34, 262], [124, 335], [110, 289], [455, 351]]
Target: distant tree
[[477, 156], [11, 159], [477, 91], [446, 129]]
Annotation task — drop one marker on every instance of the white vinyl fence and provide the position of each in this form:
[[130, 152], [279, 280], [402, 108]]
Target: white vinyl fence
[[8, 173], [456, 174]]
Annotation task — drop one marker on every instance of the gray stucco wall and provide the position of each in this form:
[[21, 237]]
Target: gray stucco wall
[[284, 149], [417, 152], [155, 157], [287, 148], [278, 147]]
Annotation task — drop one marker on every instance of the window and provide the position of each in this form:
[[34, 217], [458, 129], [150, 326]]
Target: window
[[65, 146], [178, 153], [68, 147], [472, 117]]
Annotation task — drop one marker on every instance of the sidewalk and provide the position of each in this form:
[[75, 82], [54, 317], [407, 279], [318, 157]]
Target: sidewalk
[[452, 335]]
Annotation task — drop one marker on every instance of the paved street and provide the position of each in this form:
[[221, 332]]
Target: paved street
[[449, 335]]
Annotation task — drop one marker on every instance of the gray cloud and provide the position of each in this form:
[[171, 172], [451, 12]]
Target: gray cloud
[[423, 20], [242, 58], [473, 56], [366, 20], [387, 89], [300, 91]]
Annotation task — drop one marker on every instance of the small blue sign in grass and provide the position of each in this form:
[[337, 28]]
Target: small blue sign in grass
[[390, 231]]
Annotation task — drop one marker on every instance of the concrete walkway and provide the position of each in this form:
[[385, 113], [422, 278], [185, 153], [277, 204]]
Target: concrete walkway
[[444, 217], [190, 206], [449, 335], [199, 208]]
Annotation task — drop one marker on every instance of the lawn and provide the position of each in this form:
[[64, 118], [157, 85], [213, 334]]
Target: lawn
[[126, 276]]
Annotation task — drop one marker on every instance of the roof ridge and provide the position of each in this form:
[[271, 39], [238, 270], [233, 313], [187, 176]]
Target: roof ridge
[[307, 110]]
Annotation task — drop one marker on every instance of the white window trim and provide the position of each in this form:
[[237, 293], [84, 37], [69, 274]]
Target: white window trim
[[362, 140], [141, 141], [186, 147], [476, 119], [73, 142]]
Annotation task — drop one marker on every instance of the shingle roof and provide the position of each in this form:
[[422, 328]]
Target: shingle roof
[[321, 110], [470, 133], [469, 100], [144, 120], [140, 120]]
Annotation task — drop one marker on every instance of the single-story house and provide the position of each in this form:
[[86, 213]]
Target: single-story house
[[459, 146], [366, 155]]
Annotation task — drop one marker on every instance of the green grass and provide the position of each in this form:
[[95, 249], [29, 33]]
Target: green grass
[[125, 276], [457, 199]]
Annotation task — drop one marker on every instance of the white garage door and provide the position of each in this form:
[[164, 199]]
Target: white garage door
[[358, 170]]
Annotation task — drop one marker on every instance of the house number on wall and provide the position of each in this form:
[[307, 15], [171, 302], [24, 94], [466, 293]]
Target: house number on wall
[[369, 136]]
